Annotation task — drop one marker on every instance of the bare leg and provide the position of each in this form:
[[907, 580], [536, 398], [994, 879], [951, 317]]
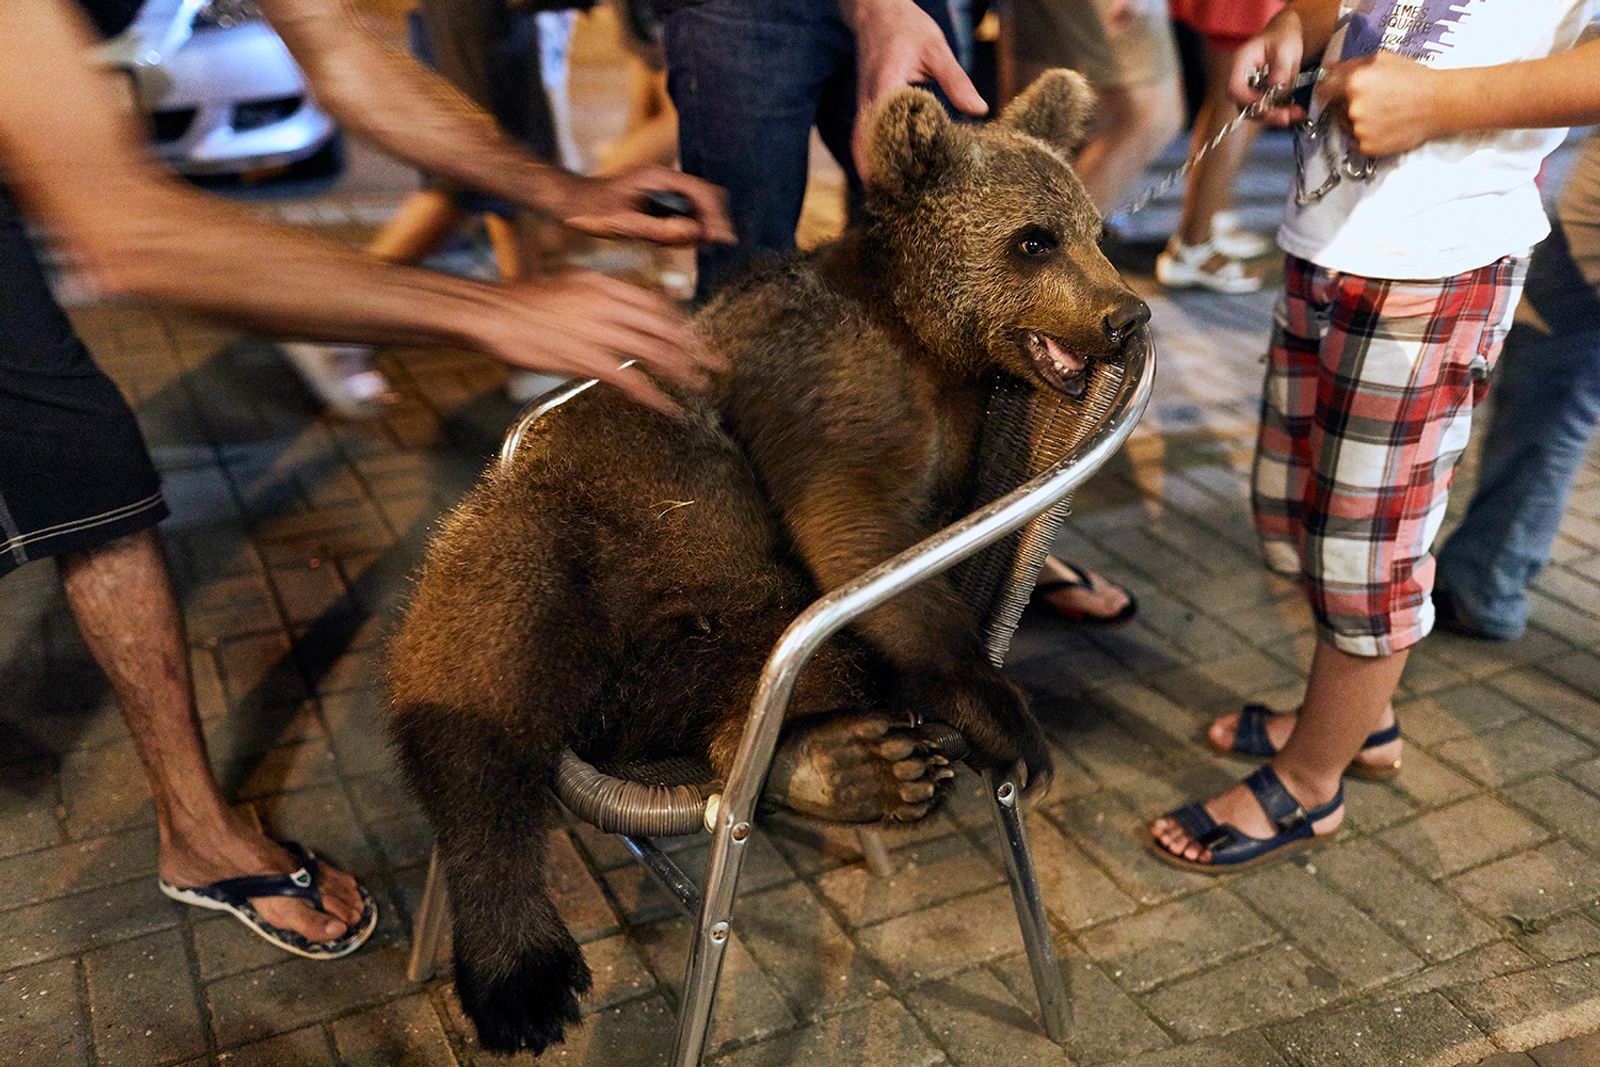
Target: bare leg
[[1136, 122], [121, 596], [1345, 698], [425, 219], [1210, 186]]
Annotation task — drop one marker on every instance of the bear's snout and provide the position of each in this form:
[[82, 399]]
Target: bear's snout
[[1120, 323]]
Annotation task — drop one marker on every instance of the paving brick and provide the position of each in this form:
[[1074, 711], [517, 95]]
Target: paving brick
[[1452, 839], [1535, 884], [1236, 1050], [1572, 813], [1455, 713], [1076, 892], [1271, 985], [1223, 685], [880, 1032], [1430, 922], [1117, 839], [287, 995], [103, 790], [1491, 961], [749, 1004], [1580, 670], [28, 802], [320, 817], [619, 971], [946, 938], [1519, 750], [1551, 698], [142, 1002], [358, 731], [1535, 1007], [402, 1033], [1382, 1031], [70, 926], [1583, 1051], [807, 953], [1107, 1023], [1325, 927], [33, 877], [1427, 782], [1559, 940], [302, 1048], [973, 1014], [926, 874], [1144, 950], [41, 1019]]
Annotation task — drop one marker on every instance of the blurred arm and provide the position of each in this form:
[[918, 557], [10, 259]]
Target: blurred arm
[[77, 162], [390, 98]]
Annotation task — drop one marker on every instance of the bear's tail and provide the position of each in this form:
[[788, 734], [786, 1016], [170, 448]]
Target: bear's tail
[[519, 972]]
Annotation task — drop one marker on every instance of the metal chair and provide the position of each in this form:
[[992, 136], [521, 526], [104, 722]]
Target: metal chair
[[1044, 445]]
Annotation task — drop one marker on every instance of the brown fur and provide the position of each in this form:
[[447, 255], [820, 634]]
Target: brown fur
[[618, 589]]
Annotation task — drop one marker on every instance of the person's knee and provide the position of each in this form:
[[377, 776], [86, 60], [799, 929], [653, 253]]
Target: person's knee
[[1149, 112]]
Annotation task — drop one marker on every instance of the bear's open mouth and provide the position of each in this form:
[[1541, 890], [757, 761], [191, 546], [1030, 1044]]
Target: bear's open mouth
[[1057, 364]]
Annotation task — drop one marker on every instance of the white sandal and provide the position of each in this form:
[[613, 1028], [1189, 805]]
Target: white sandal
[[342, 377], [1232, 238], [1182, 266]]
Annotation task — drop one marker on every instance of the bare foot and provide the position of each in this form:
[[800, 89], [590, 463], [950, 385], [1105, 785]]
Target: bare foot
[[1090, 597], [1238, 807], [1280, 726], [237, 849], [856, 767]]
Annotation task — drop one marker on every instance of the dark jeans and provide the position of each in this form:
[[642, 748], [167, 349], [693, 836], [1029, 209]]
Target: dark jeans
[[750, 78]]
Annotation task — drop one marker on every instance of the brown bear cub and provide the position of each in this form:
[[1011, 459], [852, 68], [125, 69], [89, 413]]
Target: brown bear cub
[[617, 589]]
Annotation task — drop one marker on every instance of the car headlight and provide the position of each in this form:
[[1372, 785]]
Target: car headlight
[[225, 14]]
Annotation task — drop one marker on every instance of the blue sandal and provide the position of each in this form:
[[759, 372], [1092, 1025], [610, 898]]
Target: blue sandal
[[1231, 848], [233, 895], [1250, 740]]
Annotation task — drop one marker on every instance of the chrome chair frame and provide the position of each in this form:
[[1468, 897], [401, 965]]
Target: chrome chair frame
[[729, 815]]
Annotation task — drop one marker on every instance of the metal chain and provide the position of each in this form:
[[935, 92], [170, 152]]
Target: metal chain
[[1275, 96]]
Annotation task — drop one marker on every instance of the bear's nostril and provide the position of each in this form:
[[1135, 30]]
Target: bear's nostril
[[1127, 317]]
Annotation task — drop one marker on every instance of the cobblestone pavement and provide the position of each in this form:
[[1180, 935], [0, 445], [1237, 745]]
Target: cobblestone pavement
[[1453, 920]]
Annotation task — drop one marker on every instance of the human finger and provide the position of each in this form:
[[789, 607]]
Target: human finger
[[637, 385], [958, 88], [710, 202]]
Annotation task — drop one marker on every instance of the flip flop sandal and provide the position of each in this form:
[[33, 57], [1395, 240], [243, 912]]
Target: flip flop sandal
[[233, 895], [1234, 850], [1250, 741], [1042, 591]]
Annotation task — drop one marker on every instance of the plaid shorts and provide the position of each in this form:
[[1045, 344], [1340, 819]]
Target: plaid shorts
[[1366, 409]]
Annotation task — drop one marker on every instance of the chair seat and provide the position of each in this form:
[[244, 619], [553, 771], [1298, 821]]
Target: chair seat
[[653, 798]]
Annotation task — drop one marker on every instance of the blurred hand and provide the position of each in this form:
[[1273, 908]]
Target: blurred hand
[[584, 324], [614, 207], [1389, 102], [897, 44], [1120, 16], [1278, 50]]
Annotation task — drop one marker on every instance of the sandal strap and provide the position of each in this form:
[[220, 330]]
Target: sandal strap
[[1384, 736], [303, 884], [1251, 738], [1282, 808]]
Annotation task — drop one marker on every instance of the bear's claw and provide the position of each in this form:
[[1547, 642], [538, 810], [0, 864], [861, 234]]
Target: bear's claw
[[856, 767]]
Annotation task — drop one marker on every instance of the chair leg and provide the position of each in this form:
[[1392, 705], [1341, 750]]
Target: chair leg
[[713, 929], [1036, 936], [874, 852], [433, 923]]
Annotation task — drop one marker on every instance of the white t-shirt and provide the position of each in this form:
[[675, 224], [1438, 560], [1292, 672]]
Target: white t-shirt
[[1456, 203]]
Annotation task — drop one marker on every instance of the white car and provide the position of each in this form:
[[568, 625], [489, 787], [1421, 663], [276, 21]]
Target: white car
[[222, 94]]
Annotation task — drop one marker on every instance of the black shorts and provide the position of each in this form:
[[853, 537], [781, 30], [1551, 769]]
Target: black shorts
[[74, 470]]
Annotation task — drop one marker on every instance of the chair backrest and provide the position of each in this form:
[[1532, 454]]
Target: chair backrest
[[1025, 431]]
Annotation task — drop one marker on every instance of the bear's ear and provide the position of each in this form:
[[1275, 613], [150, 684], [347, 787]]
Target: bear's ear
[[1055, 109], [907, 143]]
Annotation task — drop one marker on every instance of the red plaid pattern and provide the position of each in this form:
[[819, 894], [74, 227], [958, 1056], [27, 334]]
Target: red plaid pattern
[[1366, 409]]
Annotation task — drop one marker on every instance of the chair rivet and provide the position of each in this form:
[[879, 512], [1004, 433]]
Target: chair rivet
[[741, 831], [1005, 791], [719, 932]]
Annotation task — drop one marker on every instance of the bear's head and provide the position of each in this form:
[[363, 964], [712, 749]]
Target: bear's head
[[987, 240]]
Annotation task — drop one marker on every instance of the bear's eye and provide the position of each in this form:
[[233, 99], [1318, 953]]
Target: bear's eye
[[1036, 242]]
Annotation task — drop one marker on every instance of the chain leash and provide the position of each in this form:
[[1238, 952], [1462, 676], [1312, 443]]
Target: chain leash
[[1275, 96]]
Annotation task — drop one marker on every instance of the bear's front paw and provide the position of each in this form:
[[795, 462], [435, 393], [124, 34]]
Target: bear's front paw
[[528, 1006], [992, 713]]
